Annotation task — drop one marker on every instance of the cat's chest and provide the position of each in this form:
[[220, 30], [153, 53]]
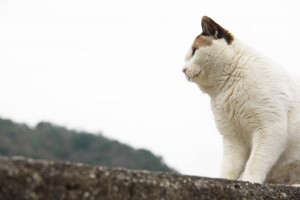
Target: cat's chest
[[231, 114]]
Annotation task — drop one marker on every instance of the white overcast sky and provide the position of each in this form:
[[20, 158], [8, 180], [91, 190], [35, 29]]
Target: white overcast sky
[[115, 66]]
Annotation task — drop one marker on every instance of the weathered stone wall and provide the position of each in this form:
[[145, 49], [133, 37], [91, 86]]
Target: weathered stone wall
[[22, 178]]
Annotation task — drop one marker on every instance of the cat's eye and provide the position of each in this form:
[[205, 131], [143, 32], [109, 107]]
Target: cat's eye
[[194, 50]]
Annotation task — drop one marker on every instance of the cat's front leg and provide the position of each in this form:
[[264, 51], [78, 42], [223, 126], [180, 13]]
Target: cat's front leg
[[241, 176], [235, 156], [267, 146]]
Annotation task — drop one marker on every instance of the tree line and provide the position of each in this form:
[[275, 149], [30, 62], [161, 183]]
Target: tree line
[[52, 142]]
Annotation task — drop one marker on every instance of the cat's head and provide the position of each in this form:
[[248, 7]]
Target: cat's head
[[207, 59]]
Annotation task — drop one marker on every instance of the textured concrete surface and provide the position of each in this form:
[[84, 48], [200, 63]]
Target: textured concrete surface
[[22, 178]]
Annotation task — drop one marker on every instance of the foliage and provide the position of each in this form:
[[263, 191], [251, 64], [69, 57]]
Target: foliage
[[48, 141]]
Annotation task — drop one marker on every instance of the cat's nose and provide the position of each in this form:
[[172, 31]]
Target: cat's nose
[[184, 70]]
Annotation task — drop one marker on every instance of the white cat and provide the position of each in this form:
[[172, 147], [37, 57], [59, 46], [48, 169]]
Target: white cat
[[256, 104]]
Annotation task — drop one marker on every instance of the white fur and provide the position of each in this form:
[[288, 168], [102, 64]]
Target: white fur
[[256, 105]]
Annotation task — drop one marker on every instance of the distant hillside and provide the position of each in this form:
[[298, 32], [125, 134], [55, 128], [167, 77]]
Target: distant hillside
[[52, 142]]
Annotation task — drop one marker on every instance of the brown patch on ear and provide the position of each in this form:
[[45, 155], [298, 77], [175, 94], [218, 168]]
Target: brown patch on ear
[[212, 29]]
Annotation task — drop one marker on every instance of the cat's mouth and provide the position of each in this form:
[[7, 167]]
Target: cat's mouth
[[191, 75], [192, 78]]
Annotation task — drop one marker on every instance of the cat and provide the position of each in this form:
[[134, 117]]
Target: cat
[[256, 105]]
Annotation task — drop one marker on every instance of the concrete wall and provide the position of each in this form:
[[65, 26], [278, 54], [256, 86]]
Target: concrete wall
[[22, 178]]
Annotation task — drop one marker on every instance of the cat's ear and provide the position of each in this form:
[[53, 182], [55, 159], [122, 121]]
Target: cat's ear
[[212, 29]]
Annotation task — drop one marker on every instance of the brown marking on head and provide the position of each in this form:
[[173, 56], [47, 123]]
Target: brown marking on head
[[201, 41], [214, 30]]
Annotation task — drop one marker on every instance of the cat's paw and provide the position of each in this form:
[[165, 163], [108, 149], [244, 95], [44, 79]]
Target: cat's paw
[[253, 179], [295, 185], [229, 175]]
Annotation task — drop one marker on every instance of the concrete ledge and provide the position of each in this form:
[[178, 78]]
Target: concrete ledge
[[22, 178]]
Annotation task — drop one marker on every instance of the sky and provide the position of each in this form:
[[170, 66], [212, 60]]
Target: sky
[[114, 67]]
